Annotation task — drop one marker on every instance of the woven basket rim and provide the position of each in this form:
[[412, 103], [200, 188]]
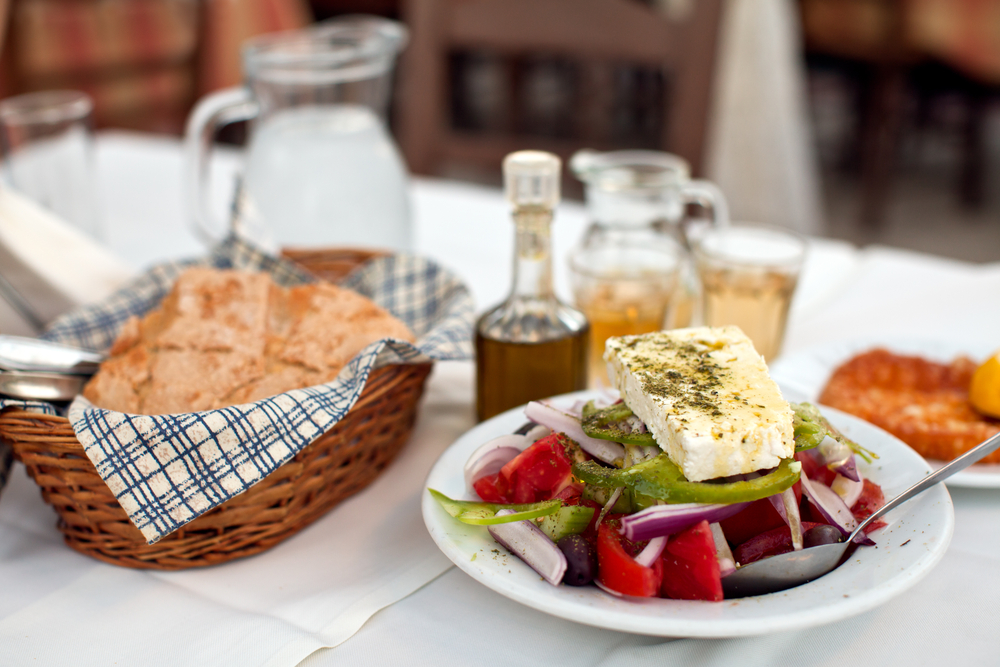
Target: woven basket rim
[[68, 486], [16, 409]]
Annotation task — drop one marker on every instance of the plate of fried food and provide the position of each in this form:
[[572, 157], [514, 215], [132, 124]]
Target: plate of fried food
[[939, 397]]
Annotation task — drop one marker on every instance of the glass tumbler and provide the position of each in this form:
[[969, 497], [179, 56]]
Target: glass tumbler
[[46, 139], [748, 277]]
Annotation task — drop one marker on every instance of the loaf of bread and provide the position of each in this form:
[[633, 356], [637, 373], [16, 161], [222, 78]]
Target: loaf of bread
[[228, 337]]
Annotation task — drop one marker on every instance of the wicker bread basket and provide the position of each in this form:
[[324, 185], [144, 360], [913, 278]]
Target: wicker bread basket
[[339, 463]]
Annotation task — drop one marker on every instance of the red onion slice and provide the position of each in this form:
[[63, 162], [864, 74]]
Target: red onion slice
[[557, 420], [537, 432], [792, 517], [839, 457], [727, 564], [849, 469], [609, 505], [648, 556], [848, 489], [830, 505], [526, 541], [636, 425], [661, 520], [490, 457]]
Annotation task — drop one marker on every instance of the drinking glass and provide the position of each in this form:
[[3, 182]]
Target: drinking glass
[[748, 276], [624, 290], [46, 139]]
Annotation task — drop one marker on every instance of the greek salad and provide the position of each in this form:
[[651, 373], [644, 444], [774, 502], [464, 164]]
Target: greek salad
[[584, 496]]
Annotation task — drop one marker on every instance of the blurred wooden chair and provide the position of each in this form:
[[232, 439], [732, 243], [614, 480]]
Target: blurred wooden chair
[[4, 14], [588, 35], [915, 48], [870, 34]]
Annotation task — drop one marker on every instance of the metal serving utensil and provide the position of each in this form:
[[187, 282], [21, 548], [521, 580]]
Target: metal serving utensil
[[29, 354], [32, 386], [784, 571]]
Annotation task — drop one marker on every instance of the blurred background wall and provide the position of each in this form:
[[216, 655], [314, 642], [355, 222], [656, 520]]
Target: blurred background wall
[[905, 116], [144, 62], [899, 117]]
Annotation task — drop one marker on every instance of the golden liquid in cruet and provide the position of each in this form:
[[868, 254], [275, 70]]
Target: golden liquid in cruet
[[511, 374]]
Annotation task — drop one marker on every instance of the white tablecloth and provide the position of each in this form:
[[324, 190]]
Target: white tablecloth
[[325, 587]]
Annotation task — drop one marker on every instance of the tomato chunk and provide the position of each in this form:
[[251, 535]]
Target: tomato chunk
[[617, 570], [690, 566], [759, 517], [871, 499], [541, 471], [491, 489]]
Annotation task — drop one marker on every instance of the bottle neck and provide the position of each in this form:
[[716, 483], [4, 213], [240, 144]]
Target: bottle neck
[[532, 253]]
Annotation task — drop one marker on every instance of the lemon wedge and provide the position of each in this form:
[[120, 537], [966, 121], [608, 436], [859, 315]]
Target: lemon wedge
[[984, 392]]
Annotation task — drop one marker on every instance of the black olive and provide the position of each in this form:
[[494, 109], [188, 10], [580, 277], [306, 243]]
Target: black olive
[[527, 426], [581, 561], [819, 535]]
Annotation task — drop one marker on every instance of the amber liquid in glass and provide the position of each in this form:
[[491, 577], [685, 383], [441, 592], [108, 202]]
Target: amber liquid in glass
[[620, 309], [682, 306], [511, 374], [755, 301]]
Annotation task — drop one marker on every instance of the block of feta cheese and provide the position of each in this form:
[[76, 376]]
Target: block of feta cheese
[[706, 396]]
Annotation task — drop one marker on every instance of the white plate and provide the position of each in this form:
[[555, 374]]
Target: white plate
[[914, 541], [802, 376]]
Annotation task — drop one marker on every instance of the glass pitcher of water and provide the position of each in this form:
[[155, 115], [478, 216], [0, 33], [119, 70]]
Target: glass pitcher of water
[[321, 168], [637, 202]]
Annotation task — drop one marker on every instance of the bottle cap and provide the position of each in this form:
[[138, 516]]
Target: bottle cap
[[531, 178]]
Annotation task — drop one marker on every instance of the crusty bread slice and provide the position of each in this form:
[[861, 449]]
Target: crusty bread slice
[[226, 337]]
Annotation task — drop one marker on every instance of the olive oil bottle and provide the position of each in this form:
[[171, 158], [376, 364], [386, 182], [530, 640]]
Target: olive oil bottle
[[531, 346]]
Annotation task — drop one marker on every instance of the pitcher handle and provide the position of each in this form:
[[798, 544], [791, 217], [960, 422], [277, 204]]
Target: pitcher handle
[[211, 113], [707, 194]]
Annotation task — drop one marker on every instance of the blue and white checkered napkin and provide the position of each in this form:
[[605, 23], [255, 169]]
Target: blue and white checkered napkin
[[166, 470]]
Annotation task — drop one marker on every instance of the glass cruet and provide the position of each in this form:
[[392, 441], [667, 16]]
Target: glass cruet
[[532, 345]]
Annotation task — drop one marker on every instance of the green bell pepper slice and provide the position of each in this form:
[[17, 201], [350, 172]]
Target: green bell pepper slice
[[589, 408], [808, 425], [484, 514], [628, 502], [661, 479], [603, 423], [811, 427]]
